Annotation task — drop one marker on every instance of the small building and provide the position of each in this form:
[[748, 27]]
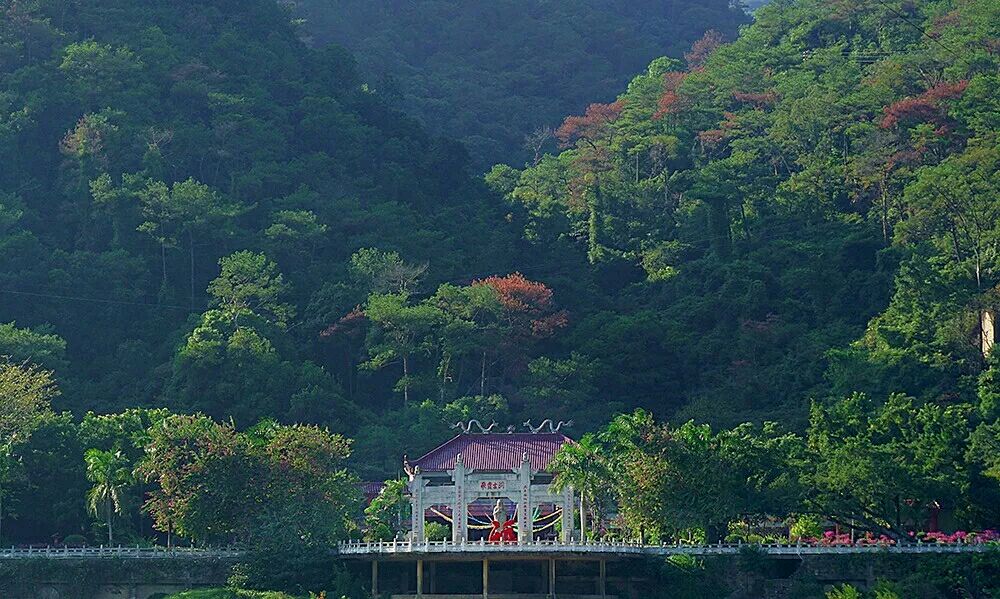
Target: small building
[[500, 474]]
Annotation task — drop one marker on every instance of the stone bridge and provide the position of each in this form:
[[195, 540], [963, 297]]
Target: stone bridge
[[405, 569]]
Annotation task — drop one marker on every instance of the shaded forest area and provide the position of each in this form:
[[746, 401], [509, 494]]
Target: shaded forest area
[[490, 74]]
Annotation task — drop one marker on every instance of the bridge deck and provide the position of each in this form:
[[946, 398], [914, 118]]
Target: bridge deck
[[480, 550]]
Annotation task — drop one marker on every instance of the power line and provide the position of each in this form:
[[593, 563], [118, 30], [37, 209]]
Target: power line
[[92, 300], [916, 26]]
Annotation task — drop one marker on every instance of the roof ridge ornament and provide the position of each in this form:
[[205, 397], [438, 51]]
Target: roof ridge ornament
[[467, 427], [548, 421]]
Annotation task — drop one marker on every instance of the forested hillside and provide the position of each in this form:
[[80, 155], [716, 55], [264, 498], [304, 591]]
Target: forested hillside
[[813, 207], [492, 73], [201, 214]]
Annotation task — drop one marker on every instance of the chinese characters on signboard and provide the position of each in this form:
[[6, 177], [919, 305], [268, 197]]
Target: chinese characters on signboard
[[492, 485]]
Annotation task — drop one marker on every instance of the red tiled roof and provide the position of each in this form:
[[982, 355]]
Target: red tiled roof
[[494, 452]]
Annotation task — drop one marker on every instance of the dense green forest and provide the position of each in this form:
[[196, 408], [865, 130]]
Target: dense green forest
[[497, 75], [207, 226]]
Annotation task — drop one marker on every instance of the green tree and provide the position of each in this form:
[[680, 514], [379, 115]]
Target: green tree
[[471, 326], [250, 284], [271, 487], [37, 346], [583, 466], [109, 472], [879, 466], [954, 206], [197, 490], [26, 394], [402, 331], [385, 272], [386, 513], [185, 209]]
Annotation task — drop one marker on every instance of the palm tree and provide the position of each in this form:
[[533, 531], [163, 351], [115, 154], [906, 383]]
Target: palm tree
[[583, 467], [109, 472]]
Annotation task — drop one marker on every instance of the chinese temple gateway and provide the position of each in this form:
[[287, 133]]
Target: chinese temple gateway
[[491, 483], [512, 532]]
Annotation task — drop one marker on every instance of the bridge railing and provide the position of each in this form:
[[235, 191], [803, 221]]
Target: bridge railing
[[119, 551], [362, 548]]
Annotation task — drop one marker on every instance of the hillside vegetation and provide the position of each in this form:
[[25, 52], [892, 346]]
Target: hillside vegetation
[[223, 254]]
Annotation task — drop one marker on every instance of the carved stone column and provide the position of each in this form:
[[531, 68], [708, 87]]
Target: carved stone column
[[568, 520], [417, 506], [524, 521], [460, 512]]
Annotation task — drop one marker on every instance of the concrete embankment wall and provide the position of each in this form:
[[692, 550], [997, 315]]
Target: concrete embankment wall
[[108, 578], [743, 576]]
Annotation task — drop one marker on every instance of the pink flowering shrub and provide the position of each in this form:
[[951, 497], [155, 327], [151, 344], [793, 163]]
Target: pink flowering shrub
[[832, 539]]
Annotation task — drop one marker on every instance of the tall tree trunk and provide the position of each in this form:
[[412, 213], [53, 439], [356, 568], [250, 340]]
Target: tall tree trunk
[[191, 246], [406, 380], [885, 212], [718, 222], [349, 370], [482, 377], [107, 509], [899, 523], [163, 263], [594, 226]]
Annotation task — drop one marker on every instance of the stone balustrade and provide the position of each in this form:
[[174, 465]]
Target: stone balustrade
[[625, 548]]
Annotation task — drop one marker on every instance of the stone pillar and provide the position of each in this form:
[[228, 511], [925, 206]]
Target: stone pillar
[[602, 589], [420, 578], [568, 521], [486, 578], [552, 577], [524, 520], [988, 331], [460, 512], [417, 507], [374, 578]]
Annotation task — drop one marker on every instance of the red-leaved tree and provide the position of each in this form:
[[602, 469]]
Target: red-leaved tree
[[529, 310], [702, 49], [529, 314], [592, 126], [671, 101], [924, 108]]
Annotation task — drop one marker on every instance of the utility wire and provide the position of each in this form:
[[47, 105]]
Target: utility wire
[[92, 300], [916, 26]]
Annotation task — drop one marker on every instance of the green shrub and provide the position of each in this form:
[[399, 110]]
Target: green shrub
[[806, 526], [845, 591], [435, 531]]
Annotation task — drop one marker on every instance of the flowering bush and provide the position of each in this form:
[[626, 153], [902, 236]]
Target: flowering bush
[[832, 539]]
